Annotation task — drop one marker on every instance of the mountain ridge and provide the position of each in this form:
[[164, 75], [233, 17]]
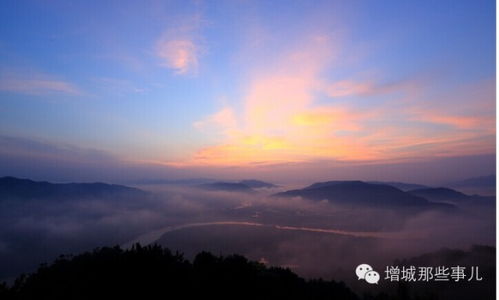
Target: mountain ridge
[[21, 188], [359, 193]]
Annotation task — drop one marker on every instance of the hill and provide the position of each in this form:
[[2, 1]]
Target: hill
[[226, 186], [481, 181], [358, 193], [483, 185], [252, 183], [442, 194], [25, 189], [187, 181], [400, 185]]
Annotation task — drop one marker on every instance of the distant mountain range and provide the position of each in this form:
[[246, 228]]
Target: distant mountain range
[[442, 194], [214, 183], [474, 185], [188, 181], [439, 194], [400, 185], [393, 194], [226, 186], [17, 188], [257, 184], [247, 186], [383, 195], [479, 185], [481, 181], [357, 192]]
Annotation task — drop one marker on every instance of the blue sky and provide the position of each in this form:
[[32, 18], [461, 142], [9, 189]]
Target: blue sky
[[209, 84]]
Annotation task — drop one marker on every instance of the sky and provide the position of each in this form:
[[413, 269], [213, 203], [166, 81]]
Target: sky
[[110, 90]]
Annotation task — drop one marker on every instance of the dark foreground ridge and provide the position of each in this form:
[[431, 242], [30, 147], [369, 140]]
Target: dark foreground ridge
[[152, 271]]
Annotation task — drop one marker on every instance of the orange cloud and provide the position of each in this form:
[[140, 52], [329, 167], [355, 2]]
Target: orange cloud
[[282, 120]]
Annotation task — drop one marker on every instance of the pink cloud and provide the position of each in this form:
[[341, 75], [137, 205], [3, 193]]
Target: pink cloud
[[225, 119], [180, 55], [180, 47], [348, 88], [467, 108], [282, 121]]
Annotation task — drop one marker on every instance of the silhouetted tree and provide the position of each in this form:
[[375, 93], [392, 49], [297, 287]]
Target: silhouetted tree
[[146, 272], [154, 271]]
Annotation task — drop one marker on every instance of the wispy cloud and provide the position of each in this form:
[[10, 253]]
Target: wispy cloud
[[180, 55], [35, 84], [283, 121], [344, 88], [119, 86], [180, 47], [224, 118], [470, 107]]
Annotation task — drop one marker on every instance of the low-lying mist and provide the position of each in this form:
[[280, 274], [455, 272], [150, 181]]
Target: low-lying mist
[[313, 238]]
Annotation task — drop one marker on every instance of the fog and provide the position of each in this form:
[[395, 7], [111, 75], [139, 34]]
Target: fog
[[313, 238]]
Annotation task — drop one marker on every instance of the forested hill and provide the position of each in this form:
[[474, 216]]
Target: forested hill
[[154, 272]]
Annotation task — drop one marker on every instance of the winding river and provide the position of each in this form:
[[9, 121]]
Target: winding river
[[152, 236]]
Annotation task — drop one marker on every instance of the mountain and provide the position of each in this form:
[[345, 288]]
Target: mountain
[[240, 186], [442, 194], [146, 272], [359, 193], [483, 185], [188, 181], [251, 183], [400, 185], [226, 186], [481, 181], [256, 184], [17, 188]]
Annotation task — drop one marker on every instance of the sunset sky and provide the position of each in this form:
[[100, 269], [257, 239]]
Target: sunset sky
[[197, 88]]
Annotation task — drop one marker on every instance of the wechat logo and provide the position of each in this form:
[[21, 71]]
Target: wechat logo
[[366, 272]]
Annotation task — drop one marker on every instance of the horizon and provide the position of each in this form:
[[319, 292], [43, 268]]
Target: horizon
[[202, 180]]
